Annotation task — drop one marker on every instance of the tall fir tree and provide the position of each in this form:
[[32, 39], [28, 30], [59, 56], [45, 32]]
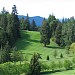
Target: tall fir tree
[[33, 25], [58, 34], [27, 23], [45, 33], [22, 23], [35, 66]]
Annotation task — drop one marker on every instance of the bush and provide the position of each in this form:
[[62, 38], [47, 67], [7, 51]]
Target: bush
[[53, 66], [53, 39], [60, 65], [35, 66], [11, 69], [68, 64], [72, 47], [55, 53], [73, 60], [44, 66], [48, 57], [61, 55]]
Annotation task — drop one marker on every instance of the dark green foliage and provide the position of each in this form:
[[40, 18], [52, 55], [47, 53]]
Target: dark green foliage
[[35, 66], [68, 32], [5, 54], [9, 32], [33, 26], [22, 23], [61, 55], [45, 33], [3, 38], [27, 23], [53, 24], [48, 57], [58, 34]]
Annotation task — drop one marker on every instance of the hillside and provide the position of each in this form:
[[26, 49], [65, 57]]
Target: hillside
[[30, 43]]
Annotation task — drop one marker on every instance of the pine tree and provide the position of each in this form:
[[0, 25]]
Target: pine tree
[[35, 66], [16, 23], [33, 25], [27, 23], [22, 23], [53, 24], [55, 53], [58, 34], [45, 33]]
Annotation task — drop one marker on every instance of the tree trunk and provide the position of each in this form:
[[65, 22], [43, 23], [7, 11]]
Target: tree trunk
[[44, 45]]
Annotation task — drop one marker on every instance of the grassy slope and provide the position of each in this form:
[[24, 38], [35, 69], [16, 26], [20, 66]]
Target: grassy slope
[[29, 43], [69, 72]]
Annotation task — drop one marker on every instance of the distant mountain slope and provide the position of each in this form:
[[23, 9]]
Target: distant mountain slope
[[37, 19]]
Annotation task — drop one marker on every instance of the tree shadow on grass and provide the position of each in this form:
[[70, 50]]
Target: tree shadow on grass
[[54, 47], [36, 41], [25, 35], [49, 72], [23, 42]]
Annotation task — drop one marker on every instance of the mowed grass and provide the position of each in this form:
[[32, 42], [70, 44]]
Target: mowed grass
[[68, 72], [30, 43]]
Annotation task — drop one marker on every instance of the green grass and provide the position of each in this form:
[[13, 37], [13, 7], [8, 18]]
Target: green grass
[[69, 72], [30, 43]]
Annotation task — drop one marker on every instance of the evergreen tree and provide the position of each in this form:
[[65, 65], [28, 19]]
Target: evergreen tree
[[9, 30], [68, 31], [22, 23], [45, 33], [35, 67], [27, 23], [53, 24], [33, 25], [55, 53], [16, 23], [7, 52], [58, 34]]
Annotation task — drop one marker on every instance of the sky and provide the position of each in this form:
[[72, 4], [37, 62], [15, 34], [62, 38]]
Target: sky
[[43, 8]]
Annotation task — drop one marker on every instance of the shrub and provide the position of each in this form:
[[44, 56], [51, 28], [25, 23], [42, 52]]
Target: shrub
[[72, 47], [35, 67], [68, 64], [60, 65], [73, 60], [53, 39], [61, 55], [53, 65], [48, 57], [44, 66], [68, 49], [55, 53]]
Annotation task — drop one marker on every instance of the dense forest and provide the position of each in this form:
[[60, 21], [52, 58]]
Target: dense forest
[[62, 33]]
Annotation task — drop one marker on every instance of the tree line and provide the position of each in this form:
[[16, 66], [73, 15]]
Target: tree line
[[26, 25], [63, 33], [9, 32]]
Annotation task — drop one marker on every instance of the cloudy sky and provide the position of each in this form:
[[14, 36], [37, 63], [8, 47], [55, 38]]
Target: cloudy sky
[[60, 8]]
